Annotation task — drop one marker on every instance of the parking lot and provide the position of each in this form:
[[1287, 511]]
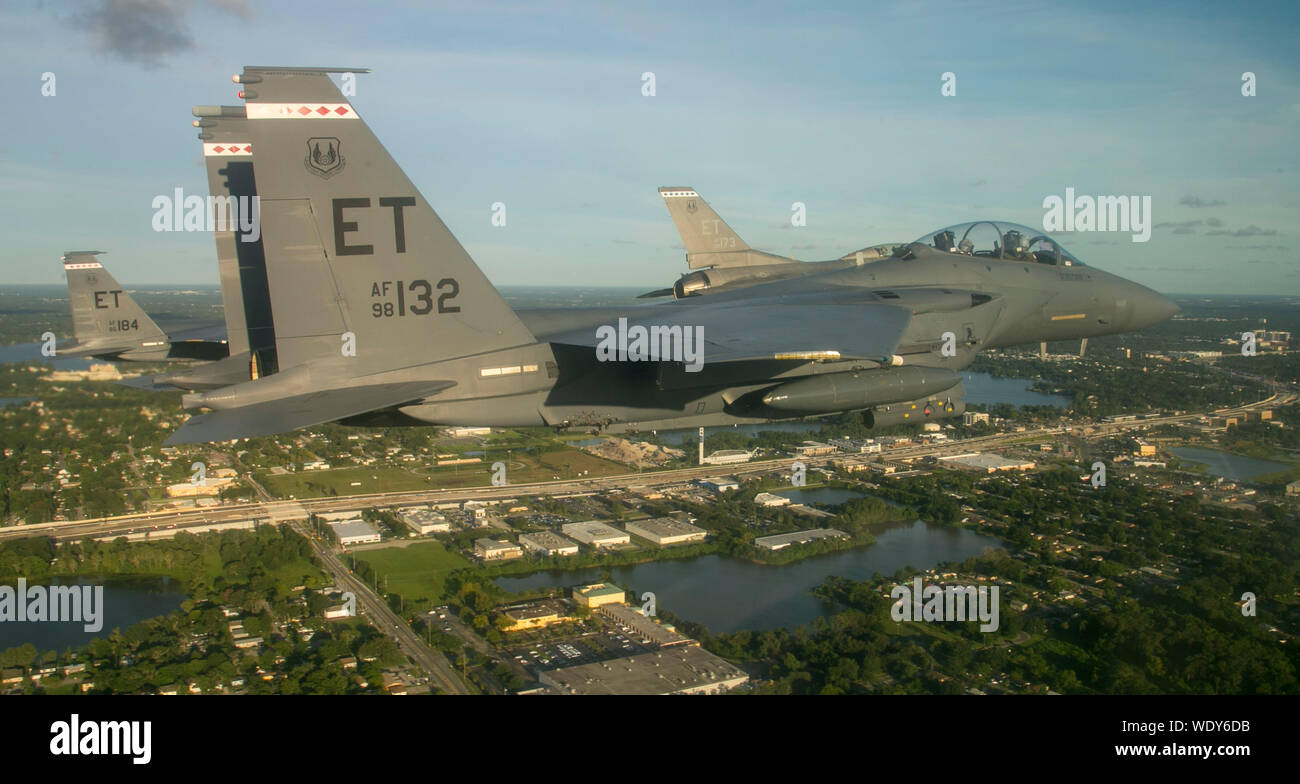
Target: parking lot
[[608, 642]]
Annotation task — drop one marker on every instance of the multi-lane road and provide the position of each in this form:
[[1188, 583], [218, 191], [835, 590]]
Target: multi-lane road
[[277, 511], [387, 621]]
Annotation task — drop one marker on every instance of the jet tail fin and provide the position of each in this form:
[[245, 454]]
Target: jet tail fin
[[241, 260], [709, 241], [356, 258], [106, 320]]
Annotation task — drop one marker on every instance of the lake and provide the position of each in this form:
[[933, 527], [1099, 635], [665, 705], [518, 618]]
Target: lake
[[127, 601], [820, 495], [1226, 465], [988, 390], [728, 595]]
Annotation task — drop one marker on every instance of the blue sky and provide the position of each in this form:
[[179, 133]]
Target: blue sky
[[757, 106]]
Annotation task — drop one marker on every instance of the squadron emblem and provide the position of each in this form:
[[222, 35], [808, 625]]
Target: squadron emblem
[[324, 156]]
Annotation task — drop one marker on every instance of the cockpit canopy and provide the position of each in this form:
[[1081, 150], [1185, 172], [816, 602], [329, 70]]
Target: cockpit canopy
[[1000, 240]]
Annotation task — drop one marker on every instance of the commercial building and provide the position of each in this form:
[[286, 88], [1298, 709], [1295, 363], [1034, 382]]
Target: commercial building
[[463, 432], [595, 533], [987, 463], [666, 530], [686, 669], [781, 541], [355, 531], [598, 594], [814, 449], [546, 544], [492, 550], [720, 484], [771, 499], [856, 446], [190, 490], [535, 615], [425, 521], [727, 457], [645, 630]]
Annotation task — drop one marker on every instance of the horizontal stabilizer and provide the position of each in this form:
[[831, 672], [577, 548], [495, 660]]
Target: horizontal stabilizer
[[290, 413]]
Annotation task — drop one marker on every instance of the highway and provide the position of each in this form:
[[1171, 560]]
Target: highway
[[279, 511]]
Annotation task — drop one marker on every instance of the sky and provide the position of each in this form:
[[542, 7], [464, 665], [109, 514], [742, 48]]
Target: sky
[[541, 107]]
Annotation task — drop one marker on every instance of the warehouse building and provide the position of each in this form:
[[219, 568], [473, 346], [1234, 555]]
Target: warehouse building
[[598, 594], [492, 550], [727, 457], [780, 541], [666, 530], [686, 669], [720, 484], [354, 531], [595, 533], [771, 499], [535, 615], [987, 463], [546, 544], [425, 521]]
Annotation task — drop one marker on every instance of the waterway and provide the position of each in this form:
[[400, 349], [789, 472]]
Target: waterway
[[729, 595], [127, 601]]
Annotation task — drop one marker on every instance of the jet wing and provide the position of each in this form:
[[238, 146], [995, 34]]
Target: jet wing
[[290, 413], [828, 326]]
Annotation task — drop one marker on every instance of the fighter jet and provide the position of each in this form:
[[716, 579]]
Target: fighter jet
[[108, 323], [381, 315]]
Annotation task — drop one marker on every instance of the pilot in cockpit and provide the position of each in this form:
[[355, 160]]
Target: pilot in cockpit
[[943, 241], [1014, 245]]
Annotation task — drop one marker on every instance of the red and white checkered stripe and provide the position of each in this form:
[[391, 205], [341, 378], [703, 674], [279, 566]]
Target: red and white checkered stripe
[[85, 265], [300, 111], [225, 149]]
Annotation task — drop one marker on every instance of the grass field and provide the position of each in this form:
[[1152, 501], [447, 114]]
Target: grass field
[[416, 571]]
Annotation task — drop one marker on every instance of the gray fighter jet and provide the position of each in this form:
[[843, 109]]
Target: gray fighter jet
[[108, 323], [381, 316]]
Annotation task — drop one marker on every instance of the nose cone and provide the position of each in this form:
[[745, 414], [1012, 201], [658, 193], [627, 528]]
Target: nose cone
[[1150, 307]]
